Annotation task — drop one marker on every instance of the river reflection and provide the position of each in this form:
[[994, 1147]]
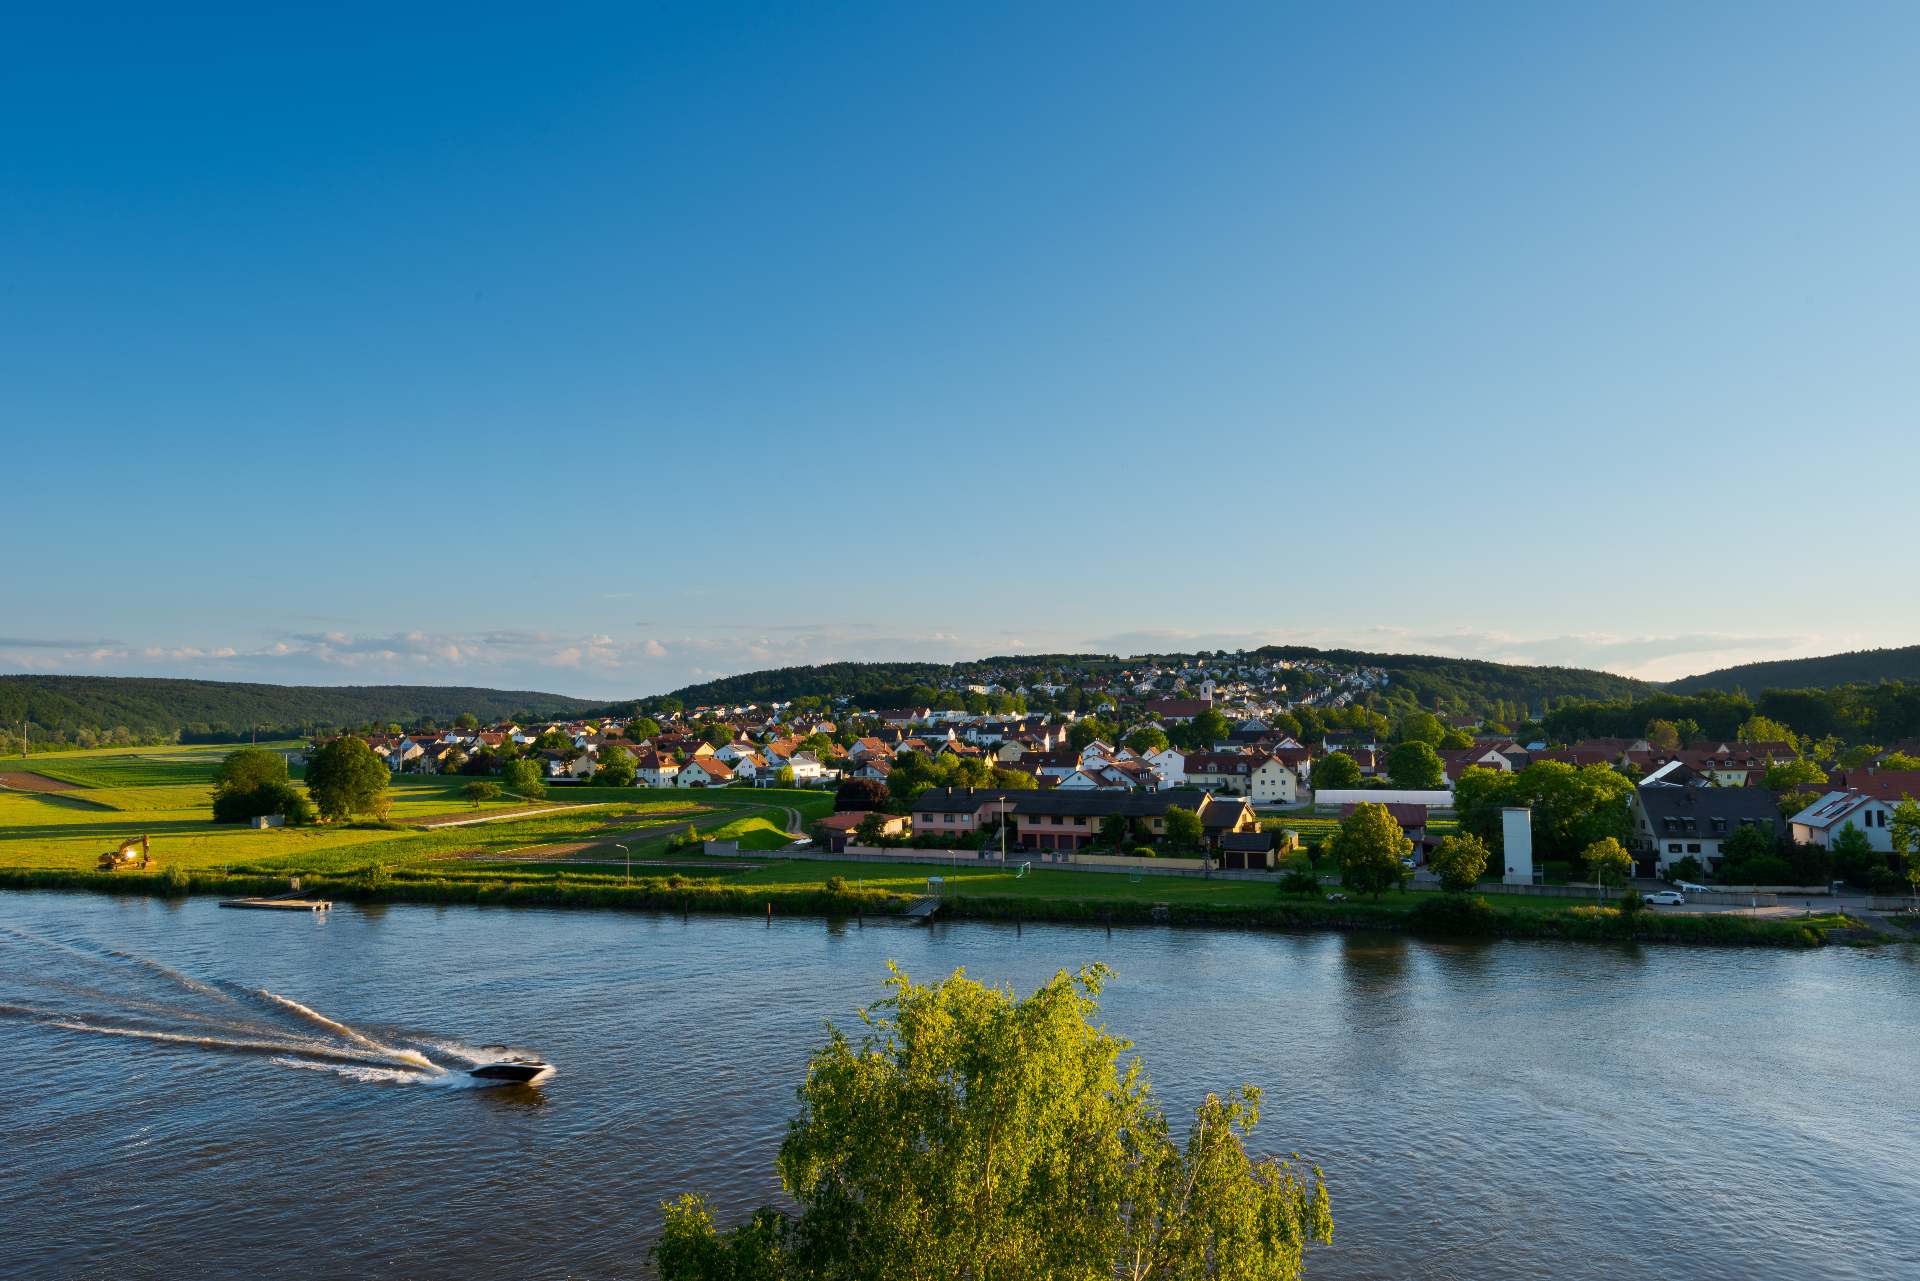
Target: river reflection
[[1481, 1109]]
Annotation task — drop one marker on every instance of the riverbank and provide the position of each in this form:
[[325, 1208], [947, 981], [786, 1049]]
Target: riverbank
[[705, 888]]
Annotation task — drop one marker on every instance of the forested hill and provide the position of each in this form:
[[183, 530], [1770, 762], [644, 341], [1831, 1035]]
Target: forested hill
[[150, 708], [1860, 667], [1432, 680]]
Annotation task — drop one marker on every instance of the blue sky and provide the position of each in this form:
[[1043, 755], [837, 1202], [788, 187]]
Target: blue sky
[[601, 348]]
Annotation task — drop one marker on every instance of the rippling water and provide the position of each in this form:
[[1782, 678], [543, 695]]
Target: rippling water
[[1481, 1110]]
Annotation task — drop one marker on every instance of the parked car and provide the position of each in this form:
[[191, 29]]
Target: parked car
[[1336, 898], [1688, 887], [1667, 898]]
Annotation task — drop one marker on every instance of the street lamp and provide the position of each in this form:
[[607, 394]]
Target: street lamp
[[629, 853]]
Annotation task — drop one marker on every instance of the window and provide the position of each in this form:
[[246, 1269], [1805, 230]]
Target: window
[[1719, 826], [1693, 848], [1673, 847]]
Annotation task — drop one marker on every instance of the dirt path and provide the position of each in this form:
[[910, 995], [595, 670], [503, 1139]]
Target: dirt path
[[28, 781]]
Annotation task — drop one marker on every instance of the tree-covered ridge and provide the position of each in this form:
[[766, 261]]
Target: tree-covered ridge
[[149, 709], [1438, 680], [1856, 667], [1435, 681]]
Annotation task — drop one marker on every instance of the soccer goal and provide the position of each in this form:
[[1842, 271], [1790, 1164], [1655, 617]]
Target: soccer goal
[[1024, 869]]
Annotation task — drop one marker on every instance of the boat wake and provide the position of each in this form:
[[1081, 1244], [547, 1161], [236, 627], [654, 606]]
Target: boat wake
[[138, 999]]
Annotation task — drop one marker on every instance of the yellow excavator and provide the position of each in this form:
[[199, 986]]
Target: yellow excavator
[[133, 852]]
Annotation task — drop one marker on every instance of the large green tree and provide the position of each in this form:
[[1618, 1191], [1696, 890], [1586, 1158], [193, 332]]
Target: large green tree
[[1415, 765], [1336, 771], [1461, 860], [1904, 833], [1184, 829], [523, 778], [346, 778], [1572, 806], [968, 1133], [616, 768], [1607, 862], [1370, 846]]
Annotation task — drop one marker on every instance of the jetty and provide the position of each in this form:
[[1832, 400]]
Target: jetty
[[287, 902]]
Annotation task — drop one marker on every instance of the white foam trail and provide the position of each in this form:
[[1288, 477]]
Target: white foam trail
[[309, 1049], [364, 1074], [338, 1028]]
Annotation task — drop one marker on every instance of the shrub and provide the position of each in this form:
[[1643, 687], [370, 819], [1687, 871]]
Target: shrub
[[836, 885], [1631, 903], [375, 878], [1299, 882], [1144, 851], [1686, 869], [176, 880], [1454, 914]]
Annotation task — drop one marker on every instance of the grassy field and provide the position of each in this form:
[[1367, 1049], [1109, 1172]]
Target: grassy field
[[167, 793]]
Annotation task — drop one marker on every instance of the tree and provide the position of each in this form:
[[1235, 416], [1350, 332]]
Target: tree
[[639, 731], [345, 778], [1415, 765], [1904, 833], [1461, 860], [1147, 739], [1762, 729], [1421, 727], [871, 829], [1664, 735], [551, 741], [251, 783], [1370, 846], [1085, 730], [968, 1133], [1853, 856], [1183, 828], [248, 768], [1793, 775], [481, 789], [1859, 756], [1607, 861], [1114, 830], [1899, 761], [1454, 739], [785, 777], [466, 720], [855, 795], [616, 768], [1208, 728], [522, 777], [1336, 771]]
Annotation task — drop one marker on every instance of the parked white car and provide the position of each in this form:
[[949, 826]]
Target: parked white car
[[1667, 898], [1688, 887]]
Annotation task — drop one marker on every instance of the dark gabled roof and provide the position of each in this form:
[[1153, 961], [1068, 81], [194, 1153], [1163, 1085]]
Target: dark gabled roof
[[1225, 811], [1089, 803], [1730, 803], [954, 799], [1251, 842]]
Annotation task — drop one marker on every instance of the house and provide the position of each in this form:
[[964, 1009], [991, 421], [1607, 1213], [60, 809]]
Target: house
[[563, 765], [1673, 821], [874, 768], [959, 812], [1171, 764], [1833, 813], [1177, 711], [808, 769], [1458, 760], [1223, 817], [838, 829], [705, 771], [1220, 771], [1882, 784], [1272, 781], [655, 769]]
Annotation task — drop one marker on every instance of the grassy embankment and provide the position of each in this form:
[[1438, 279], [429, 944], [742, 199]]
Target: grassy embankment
[[53, 840]]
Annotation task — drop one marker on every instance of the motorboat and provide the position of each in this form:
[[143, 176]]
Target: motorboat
[[515, 1071]]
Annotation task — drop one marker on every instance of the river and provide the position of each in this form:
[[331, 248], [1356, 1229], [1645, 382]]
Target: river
[[1481, 1110]]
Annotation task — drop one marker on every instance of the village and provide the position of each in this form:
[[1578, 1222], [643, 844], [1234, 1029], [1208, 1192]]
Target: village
[[1224, 762]]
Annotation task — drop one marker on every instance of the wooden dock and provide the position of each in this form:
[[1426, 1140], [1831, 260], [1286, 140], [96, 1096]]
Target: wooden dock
[[922, 909], [279, 904]]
